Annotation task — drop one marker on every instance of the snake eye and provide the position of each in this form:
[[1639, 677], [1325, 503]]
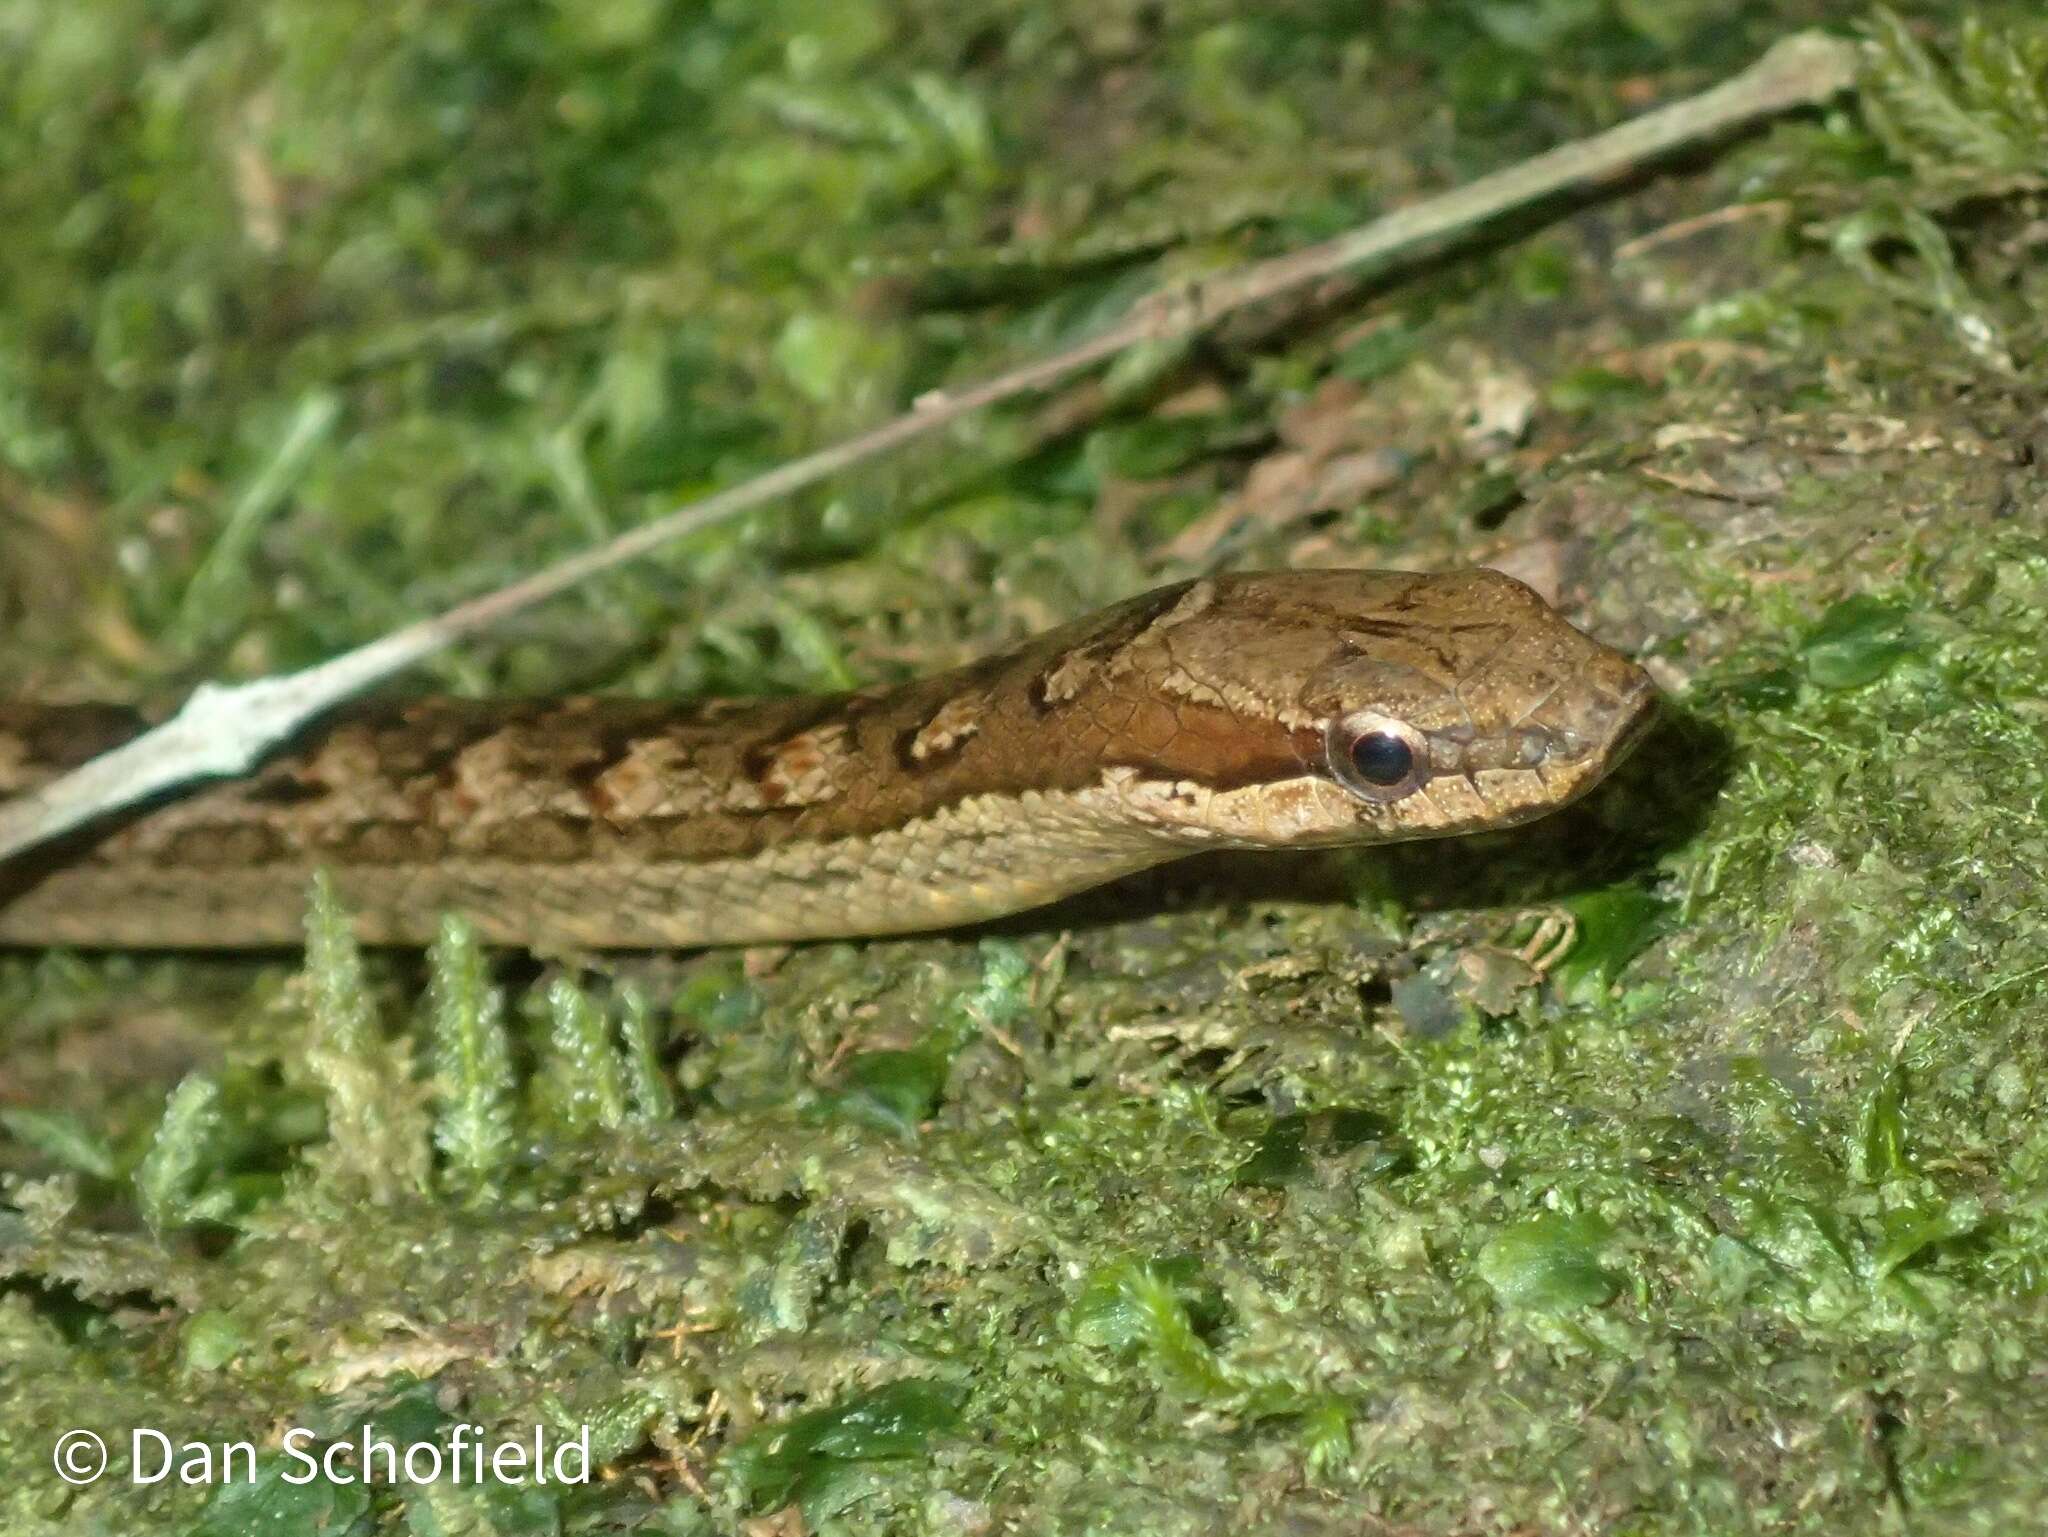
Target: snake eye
[[1381, 758], [1377, 758]]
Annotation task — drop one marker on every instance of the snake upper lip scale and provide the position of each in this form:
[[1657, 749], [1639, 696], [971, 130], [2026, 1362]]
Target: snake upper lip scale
[[1256, 710]]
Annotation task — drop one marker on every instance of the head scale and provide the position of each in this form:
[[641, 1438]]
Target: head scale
[[1413, 706]]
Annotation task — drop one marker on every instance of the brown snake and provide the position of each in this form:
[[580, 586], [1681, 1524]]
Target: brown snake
[[1265, 710]]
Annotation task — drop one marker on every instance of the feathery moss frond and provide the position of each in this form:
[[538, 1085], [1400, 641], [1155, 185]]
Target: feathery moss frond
[[376, 1124], [1968, 121], [473, 1124], [171, 1180], [586, 1077]]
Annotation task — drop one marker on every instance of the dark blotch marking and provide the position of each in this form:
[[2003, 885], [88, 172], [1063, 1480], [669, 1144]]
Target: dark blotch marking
[[758, 759], [1384, 629], [381, 843], [231, 844], [904, 747], [282, 791], [548, 840]]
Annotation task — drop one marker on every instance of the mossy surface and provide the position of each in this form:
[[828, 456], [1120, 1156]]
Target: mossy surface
[[1677, 1164]]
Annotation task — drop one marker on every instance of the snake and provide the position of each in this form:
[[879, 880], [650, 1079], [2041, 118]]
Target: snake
[[1249, 710]]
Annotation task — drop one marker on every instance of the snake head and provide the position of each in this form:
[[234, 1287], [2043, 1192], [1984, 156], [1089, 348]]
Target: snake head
[[1411, 706]]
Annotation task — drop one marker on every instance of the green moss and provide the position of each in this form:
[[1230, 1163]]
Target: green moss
[[898, 1090], [822, 1460], [169, 1180], [1549, 1264]]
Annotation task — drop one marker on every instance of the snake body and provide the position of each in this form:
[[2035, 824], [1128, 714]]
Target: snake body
[[1279, 709]]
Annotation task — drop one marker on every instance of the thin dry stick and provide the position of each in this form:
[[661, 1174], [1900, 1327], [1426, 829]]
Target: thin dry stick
[[224, 730]]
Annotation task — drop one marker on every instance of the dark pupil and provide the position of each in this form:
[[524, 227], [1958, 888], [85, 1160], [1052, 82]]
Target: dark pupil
[[1382, 758]]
